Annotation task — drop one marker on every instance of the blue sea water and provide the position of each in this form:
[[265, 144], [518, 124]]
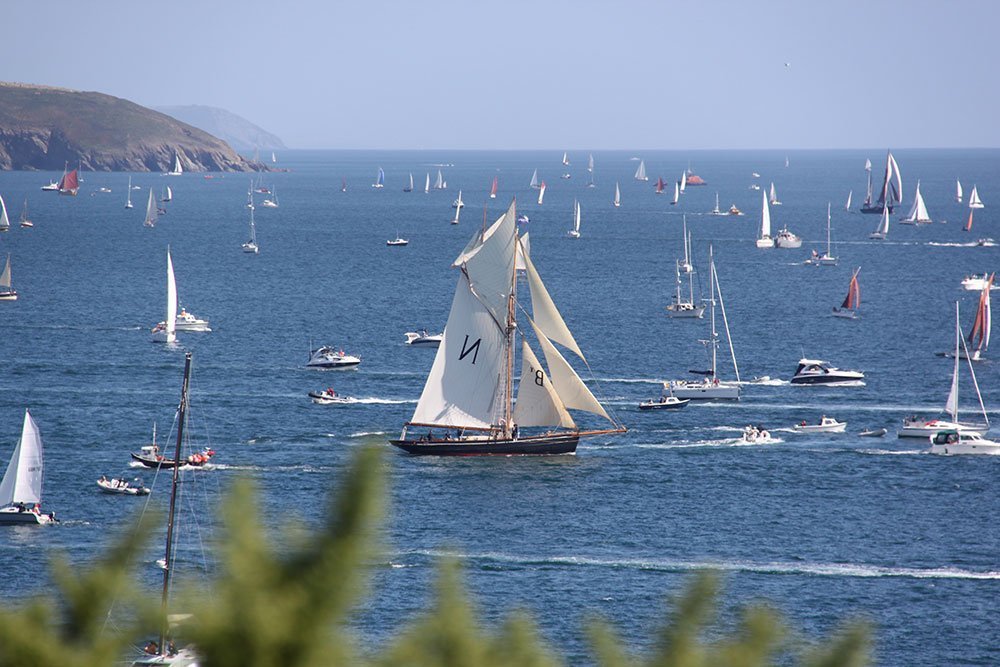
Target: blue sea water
[[825, 527]]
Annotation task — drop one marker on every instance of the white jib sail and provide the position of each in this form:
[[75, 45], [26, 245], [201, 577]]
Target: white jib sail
[[537, 402], [568, 385], [765, 218], [545, 314], [171, 320], [523, 250], [951, 405], [22, 483]]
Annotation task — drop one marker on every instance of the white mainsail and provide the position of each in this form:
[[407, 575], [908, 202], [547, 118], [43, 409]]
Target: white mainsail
[[576, 216], [427, 183], [958, 191], [677, 194], [4, 220], [684, 181], [918, 212], [974, 201], [151, 211], [171, 321], [765, 240], [534, 179], [541, 193], [5, 276], [618, 195], [951, 403], [565, 159], [590, 163], [847, 206], [640, 173], [773, 198], [883, 225], [537, 402], [439, 183], [22, 482]]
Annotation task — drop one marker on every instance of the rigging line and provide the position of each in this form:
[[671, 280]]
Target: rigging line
[[502, 328]]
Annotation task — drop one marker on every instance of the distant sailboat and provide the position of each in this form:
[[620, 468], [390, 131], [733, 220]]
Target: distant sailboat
[[427, 183], [439, 183], [409, 188], [640, 173], [974, 201], [958, 191], [493, 189], [677, 194], [343, 185], [251, 246], [764, 240], [849, 308], [882, 231], [458, 209], [590, 163], [541, 193], [165, 331], [575, 232], [25, 220], [773, 197], [659, 185], [178, 169], [274, 158], [716, 210], [7, 291], [379, 179], [272, 201], [618, 196], [918, 212], [979, 335], [565, 159], [683, 182], [152, 212], [168, 195], [128, 197], [69, 184], [458, 203], [892, 187], [534, 179], [827, 258], [4, 220], [847, 206]]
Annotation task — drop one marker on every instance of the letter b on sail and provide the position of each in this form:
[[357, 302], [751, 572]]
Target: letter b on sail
[[470, 349], [539, 377]]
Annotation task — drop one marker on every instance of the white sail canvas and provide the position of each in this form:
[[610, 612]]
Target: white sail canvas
[[537, 402], [22, 482]]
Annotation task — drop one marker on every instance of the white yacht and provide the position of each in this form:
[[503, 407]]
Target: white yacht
[[816, 372], [423, 339], [186, 321], [825, 425], [916, 427], [328, 357], [953, 442], [786, 239]]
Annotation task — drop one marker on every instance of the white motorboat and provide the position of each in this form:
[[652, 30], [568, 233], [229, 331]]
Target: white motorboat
[[21, 487], [666, 401], [816, 372], [186, 321], [328, 357], [977, 283], [329, 397], [952, 442], [398, 241], [787, 239], [423, 339], [755, 435], [825, 425], [122, 487], [51, 187]]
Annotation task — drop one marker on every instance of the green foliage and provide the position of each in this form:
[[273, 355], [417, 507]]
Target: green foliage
[[291, 607]]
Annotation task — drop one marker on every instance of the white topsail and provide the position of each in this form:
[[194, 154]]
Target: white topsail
[[22, 483], [545, 313]]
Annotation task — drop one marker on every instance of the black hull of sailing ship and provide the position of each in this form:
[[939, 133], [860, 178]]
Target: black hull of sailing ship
[[874, 208], [525, 446]]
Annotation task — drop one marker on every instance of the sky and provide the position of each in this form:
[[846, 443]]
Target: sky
[[559, 74]]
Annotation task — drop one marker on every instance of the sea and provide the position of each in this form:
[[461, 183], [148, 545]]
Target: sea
[[824, 527]]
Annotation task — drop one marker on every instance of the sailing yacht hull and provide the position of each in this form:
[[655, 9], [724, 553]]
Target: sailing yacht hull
[[12, 516], [707, 391], [874, 208], [485, 446], [683, 310]]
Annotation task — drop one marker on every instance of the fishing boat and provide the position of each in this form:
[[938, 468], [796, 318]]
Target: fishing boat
[[21, 487], [25, 220], [882, 231], [956, 439], [250, 246], [827, 258], [974, 200], [618, 196], [493, 188], [272, 201], [733, 210], [152, 211], [849, 308], [120, 486], [814, 372], [825, 425], [178, 169], [659, 185], [327, 356], [711, 387], [4, 220], [892, 188], [423, 339], [128, 194], [773, 197], [958, 191], [575, 232], [847, 206], [764, 239], [69, 184], [7, 291], [409, 187], [379, 179], [693, 179], [787, 239], [918, 212], [666, 401], [640, 173], [467, 406], [534, 179], [329, 396], [541, 193], [165, 331]]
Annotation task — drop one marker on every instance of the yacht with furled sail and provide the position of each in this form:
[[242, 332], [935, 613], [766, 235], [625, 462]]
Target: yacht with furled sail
[[467, 406], [918, 212], [21, 487], [25, 220], [640, 172], [849, 308], [7, 291], [827, 258], [764, 239], [711, 387], [681, 308], [892, 188], [716, 210], [128, 195], [575, 232]]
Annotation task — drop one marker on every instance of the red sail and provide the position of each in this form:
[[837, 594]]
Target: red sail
[[982, 321], [853, 299], [69, 184], [493, 190], [968, 225], [659, 185]]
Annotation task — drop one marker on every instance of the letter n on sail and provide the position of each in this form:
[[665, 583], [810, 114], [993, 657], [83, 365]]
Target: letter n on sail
[[470, 349]]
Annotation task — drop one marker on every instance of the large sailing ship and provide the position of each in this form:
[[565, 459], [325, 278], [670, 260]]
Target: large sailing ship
[[467, 406]]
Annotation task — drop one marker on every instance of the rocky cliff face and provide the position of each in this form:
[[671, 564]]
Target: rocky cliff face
[[46, 128]]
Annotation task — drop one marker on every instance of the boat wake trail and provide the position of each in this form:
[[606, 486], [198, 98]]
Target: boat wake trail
[[631, 380], [862, 570], [367, 434]]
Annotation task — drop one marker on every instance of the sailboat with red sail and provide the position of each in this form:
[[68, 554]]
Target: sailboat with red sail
[[979, 336], [659, 185], [493, 189], [69, 184], [849, 309]]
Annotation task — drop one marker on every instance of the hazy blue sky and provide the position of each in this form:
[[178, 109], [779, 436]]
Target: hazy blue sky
[[544, 74]]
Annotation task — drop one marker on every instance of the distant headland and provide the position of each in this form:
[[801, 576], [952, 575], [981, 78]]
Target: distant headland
[[235, 130], [46, 128]]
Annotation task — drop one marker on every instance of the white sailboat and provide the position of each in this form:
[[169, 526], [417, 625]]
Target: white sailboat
[[4, 220], [458, 209], [272, 201], [21, 487], [274, 158], [847, 206], [827, 258], [128, 196], [168, 195], [427, 183], [565, 159], [439, 183], [251, 247], [892, 187], [165, 331], [458, 203], [467, 406], [541, 193], [590, 163], [640, 173], [882, 231], [958, 191], [152, 212], [379, 179], [575, 232], [974, 200], [677, 194], [716, 210], [7, 291], [952, 438], [773, 197], [711, 387], [178, 169], [681, 308], [682, 184], [764, 239], [618, 196], [534, 179], [918, 212], [409, 188], [25, 220]]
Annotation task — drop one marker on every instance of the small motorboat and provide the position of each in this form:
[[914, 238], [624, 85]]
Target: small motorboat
[[816, 372], [735, 211], [755, 435], [329, 397], [121, 486], [666, 401], [951, 442], [186, 321], [825, 425], [328, 357], [977, 283], [104, 189], [398, 241], [423, 339], [151, 457], [51, 187], [787, 239], [873, 433]]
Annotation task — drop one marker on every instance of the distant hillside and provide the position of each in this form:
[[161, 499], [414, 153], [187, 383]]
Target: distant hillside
[[44, 128], [235, 130]]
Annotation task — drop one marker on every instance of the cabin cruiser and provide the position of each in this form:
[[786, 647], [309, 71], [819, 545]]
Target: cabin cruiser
[[666, 401], [121, 486], [914, 427], [328, 397], [786, 239], [423, 339], [816, 372], [186, 321], [951, 441], [825, 425], [327, 357], [977, 283], [400, 241]]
